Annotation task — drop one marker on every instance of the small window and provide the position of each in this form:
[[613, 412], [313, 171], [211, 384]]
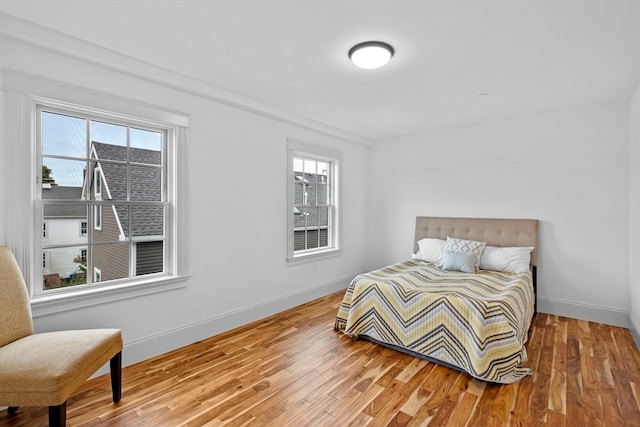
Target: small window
[[97, 179], [83, 228], [44, 230], [313, 208], [97, 217]]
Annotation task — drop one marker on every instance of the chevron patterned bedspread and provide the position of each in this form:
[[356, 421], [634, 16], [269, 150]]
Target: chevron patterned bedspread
[[476, 322]]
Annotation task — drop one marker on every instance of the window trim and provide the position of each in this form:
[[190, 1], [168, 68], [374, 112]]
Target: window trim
[[97, 178], [20, 95], [97, 217], [334, 158]]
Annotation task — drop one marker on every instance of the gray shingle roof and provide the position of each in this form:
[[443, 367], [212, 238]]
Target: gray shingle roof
[[145, 185], [57, 192]]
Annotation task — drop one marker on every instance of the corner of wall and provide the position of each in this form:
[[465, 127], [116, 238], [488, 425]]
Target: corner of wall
[[634, 328]]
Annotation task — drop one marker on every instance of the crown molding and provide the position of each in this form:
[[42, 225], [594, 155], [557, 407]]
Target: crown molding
[[13, 28]]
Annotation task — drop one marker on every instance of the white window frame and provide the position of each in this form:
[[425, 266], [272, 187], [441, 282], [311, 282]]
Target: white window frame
[[97, 217], [84, 228], [21, 96], [334, 158]]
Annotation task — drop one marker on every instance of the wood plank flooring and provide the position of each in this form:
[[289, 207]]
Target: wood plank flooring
[[293, 369]]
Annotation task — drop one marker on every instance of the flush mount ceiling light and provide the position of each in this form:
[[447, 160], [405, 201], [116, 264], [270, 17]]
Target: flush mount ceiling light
[[371, 55]]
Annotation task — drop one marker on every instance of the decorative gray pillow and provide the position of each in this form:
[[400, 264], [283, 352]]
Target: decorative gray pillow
[[466, 246], [459, 261]]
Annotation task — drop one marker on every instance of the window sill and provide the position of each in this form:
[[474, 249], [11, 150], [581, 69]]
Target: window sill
[[314, 256], [43, 305]]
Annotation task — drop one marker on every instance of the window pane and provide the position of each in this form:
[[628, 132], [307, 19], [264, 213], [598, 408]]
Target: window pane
[[145, 140], [103, 151], [142, 155], [311, 215], [113, 223], [68, 173], [323, 216], [312, 192], [112, 260], [299, 217], [309, 166], [63, 267], [64, 223], [298, 192], [297, 165], [324, 237], [149, 257], [323, 171], [299, 240], [148, 220], [322, 194], [312, 239], [146, 183], [112, 181], [63, 135], [108, 133]]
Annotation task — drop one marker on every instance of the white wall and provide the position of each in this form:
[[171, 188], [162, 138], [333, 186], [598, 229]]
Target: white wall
[[634, 258], [568, 169], [236, 207]]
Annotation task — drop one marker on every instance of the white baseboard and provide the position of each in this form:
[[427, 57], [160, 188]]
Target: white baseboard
[[144, 348], [593, 313]]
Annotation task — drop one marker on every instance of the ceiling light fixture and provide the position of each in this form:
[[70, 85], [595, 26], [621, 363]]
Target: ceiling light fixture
[[371, 55]]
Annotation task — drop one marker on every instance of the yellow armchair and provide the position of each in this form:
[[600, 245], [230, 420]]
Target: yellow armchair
[[45, 369]]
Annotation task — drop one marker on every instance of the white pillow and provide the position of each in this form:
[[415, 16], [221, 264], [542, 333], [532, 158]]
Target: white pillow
[[510, 260], [431, 250]]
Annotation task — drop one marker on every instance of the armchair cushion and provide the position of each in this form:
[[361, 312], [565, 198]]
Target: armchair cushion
[[45, 369]]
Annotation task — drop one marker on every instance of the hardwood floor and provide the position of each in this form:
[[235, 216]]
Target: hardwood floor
[[293, 369]]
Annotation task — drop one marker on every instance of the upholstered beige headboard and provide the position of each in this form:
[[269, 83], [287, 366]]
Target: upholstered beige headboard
[[493, 231]]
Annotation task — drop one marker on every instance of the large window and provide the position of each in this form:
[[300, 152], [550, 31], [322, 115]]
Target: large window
[[105, 176], [313, 207], [54, 137]]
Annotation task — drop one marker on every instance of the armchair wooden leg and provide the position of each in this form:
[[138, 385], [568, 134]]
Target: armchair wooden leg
[[58, 415], [116, 376], [12, 410]]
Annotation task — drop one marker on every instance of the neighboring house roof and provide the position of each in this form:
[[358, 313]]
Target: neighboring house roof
[[59, 210], [145, 182], [312, 216]]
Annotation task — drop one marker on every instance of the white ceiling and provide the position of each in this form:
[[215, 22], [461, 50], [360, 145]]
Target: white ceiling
[[530, 56]]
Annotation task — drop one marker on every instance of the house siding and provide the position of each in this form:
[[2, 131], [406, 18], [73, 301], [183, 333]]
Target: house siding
[[112, 259]]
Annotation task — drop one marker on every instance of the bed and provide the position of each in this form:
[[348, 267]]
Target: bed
[[474, 321]]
